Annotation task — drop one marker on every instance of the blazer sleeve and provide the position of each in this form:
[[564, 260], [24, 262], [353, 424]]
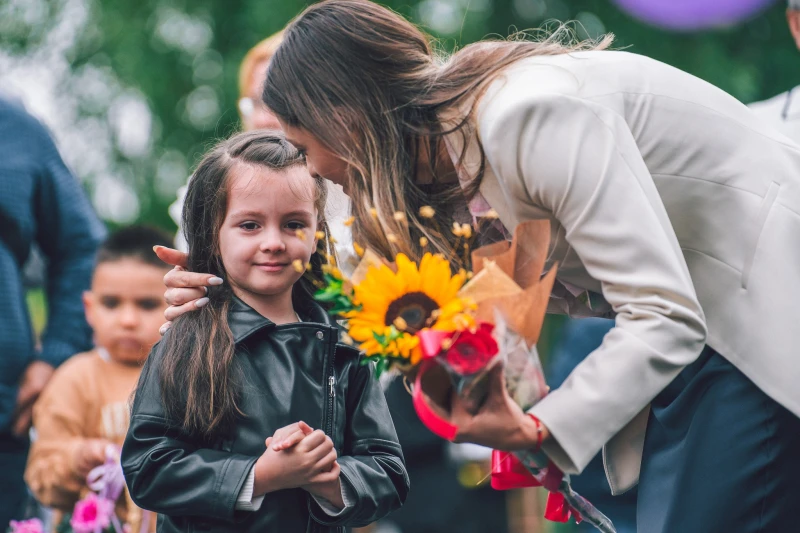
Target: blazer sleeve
[[170, 474], [580, 161], [371, 462]]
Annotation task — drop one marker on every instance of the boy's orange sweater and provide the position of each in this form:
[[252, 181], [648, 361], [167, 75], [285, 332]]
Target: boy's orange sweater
[[87, 398]]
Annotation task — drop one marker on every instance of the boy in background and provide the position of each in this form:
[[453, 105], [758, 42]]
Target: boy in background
[[84, 408]]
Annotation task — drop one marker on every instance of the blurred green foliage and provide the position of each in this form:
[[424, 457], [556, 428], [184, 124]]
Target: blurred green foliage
[[752, 61], [183, 58]]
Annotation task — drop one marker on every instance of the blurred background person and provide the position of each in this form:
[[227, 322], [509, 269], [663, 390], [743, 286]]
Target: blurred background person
[[84, 408], [783, 111], [41, 202]]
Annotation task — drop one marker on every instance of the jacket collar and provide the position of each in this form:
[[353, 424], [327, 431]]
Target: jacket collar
[[244, 320]]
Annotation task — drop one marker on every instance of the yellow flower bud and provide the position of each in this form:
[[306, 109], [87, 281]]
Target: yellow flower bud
[[300, 234], [298, 265], [320, 235], [358, 249], [427, 211], [447, 344], [491, 213], [399, 216], [423, 241], [400, 323], [373, 212], [349, 221], [392, 238]]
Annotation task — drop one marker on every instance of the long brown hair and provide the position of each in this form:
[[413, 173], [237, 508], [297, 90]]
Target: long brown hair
[[198, 376], [356, 67]]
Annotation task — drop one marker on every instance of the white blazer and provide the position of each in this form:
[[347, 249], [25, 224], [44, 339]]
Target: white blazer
[[671, 198]]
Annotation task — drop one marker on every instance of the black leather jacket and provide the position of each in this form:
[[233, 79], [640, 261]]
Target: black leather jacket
[[293, 372]]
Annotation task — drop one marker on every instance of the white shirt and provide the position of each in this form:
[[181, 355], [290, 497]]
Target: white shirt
[[782, 112]]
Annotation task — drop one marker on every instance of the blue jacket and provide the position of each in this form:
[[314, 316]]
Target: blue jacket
[[42, 203]]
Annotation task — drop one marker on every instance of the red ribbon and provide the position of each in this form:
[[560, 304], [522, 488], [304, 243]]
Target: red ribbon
[[438, 425], [508, 472]]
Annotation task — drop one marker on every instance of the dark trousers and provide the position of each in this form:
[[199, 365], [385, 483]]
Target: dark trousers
[[13, 492], [720, 456]]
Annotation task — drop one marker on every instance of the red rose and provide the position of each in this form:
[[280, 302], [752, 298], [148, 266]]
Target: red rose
[[471, 352]]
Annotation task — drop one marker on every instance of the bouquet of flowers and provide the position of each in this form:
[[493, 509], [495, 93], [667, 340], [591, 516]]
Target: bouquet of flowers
[[95, 512], [446, 331]]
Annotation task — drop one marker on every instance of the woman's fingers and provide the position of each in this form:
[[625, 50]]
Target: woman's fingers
[[164, 327], [179, 278], [173, 312], [184, 296], [327, 476], [171, 256]]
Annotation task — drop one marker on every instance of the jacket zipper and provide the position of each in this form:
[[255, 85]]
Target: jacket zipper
[[331, 382]]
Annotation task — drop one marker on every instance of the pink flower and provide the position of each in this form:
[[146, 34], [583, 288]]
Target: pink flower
[[34, 525], [90, 513]]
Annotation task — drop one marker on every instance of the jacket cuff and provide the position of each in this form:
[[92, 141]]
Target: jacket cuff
[[246, 501], [322, 514], [568, 455], [348, 498], [231, 481]]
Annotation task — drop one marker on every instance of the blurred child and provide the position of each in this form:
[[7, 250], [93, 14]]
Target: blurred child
[[84, 408]]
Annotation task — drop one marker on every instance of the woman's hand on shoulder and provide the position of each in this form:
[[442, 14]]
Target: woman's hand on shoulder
[[186, 291]]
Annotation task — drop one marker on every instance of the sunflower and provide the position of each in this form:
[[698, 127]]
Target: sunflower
[[392, 306]]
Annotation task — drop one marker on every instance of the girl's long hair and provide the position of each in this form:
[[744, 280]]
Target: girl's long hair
[[356, 67], [199, 379]]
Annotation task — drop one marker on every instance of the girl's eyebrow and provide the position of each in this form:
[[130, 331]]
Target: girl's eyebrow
[[259, 214], [298, 212], [247, 213]]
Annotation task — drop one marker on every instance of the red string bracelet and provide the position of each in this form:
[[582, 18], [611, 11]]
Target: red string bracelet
[[539, 433]]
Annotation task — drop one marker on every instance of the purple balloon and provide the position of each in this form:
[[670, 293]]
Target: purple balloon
[[692, 14]]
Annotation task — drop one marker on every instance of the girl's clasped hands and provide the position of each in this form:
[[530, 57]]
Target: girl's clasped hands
[[298, 456]]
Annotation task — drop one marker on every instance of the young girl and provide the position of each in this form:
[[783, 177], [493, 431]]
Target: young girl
[[218, 439]]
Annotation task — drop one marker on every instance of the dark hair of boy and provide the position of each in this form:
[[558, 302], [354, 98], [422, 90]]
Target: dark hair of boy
[[134, 242]]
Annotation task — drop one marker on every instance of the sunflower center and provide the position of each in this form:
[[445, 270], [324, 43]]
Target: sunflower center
[[414, 307]]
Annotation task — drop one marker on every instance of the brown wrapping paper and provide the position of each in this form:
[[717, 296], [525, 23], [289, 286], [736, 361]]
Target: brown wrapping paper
[[508, 278]]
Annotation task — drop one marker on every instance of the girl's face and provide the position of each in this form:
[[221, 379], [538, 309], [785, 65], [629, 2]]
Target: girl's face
[[319, 159], [270, 223]]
